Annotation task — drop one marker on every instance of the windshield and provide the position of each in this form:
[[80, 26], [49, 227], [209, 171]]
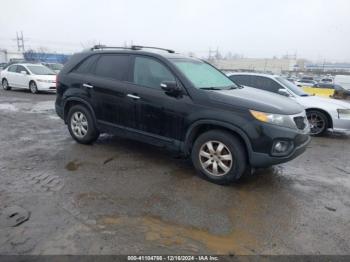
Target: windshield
[[203, 75], [292, 87], [40, 70]]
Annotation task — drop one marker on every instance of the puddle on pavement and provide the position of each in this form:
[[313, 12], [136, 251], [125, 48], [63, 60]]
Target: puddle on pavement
[[183, 173], [8, 107], [73, 165], [170, 234], [46, 106]]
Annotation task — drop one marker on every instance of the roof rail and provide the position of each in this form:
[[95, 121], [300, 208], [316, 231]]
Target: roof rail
[[139, 47], [133, 47], [97, 47]]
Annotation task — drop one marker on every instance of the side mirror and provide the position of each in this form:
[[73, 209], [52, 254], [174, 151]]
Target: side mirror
[[170, 87], [23, 72], [283, 92]]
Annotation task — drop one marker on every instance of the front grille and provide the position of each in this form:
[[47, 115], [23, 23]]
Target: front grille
[[300, 122]]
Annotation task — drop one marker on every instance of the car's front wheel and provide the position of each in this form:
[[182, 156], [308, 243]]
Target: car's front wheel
[[219, 156], [81, 125], [5, 84], [318, 122], [33, 87]]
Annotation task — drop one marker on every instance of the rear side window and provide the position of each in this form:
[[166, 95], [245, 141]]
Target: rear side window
[[85, 66], [113, 66], [150, 73]]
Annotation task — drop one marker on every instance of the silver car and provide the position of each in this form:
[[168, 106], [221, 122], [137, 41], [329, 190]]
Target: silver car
[[322, 113]]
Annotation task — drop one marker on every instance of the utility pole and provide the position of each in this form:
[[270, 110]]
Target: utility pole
[[20, 41]]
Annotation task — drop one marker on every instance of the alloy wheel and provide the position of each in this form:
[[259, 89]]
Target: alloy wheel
[[317, 123], [215, 158], [79, 124]]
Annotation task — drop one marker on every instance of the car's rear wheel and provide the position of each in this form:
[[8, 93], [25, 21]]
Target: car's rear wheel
[[81, 125], [219, 157], [5, 84], [318, 122], [33, 87]]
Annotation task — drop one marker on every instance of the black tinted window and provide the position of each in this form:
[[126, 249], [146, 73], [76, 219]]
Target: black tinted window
[[113, 66], [12, 68], [149, 72], [241, 80], [85, 66], [265, 83]]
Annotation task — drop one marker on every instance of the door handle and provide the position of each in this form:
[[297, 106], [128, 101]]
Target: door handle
[[88, 86], [133, 96]]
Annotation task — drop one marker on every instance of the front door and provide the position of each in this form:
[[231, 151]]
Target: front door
[[21, 78], [157, 114]]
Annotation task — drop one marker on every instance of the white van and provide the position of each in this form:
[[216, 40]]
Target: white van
[[342, 80]]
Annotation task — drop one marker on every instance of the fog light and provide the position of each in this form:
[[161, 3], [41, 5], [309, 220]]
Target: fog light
[[281, 148]]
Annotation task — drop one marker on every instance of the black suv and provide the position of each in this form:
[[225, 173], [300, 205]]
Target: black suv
[[181, 103]]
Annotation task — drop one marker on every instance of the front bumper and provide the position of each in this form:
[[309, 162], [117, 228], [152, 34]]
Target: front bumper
[[43, 86], [259, 160], [261, 153]]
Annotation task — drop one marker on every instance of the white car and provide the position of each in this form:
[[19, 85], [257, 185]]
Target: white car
[[34, 77], [305, 82], [322, 113]]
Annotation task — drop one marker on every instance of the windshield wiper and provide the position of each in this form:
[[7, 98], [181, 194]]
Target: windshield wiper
[[211, 88], [218, 88]]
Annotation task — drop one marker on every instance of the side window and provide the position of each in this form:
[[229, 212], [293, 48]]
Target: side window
[[241, 80], [12, 68], [113, 66], [85, 66], [150, 73], [20, 68], [267, 84]]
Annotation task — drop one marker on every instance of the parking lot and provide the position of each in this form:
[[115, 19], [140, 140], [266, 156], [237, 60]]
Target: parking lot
[[121, 197]]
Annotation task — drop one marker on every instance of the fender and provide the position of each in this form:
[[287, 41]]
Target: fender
[[80, 100], [191, 131]]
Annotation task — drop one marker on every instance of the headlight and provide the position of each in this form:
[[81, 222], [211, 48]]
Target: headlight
[[280, 120], [343, 113]]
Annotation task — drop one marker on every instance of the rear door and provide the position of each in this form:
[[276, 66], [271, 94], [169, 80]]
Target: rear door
[[11, 75], [110, 84]]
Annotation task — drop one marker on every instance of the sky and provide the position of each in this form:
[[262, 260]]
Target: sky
[[312, 29]]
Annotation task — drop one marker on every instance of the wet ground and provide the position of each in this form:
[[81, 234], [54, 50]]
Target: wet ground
[[123, 197]]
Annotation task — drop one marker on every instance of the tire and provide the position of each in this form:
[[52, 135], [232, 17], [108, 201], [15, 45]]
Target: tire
[[318, 122], [5, 84], [33, 88], [81, 125], [202, 154]]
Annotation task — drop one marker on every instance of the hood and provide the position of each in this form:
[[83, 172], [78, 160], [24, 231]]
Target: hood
[[322, 102], [252, 98]]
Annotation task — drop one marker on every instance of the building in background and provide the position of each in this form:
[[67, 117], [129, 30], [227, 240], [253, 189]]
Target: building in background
[[32, 56], [273, 65], [6, 55]]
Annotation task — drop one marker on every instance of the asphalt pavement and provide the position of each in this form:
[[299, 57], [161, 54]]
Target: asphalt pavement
[[123, 197]]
